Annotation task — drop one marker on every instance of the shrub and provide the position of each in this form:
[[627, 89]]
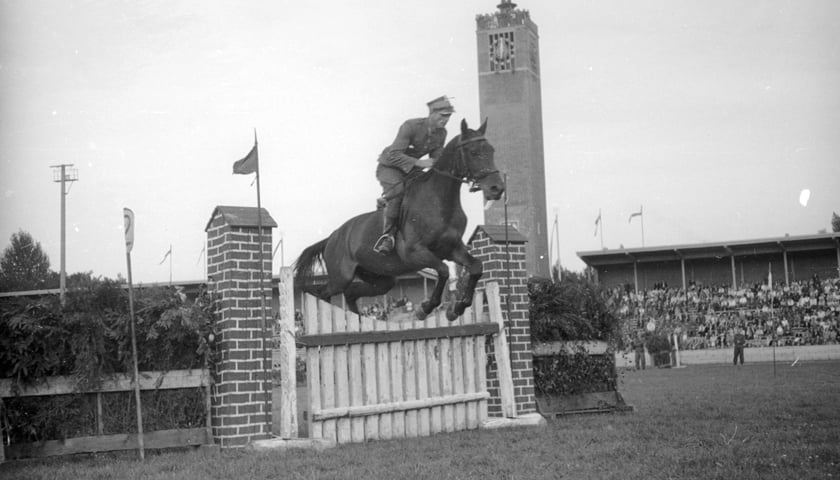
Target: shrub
[[89, 338], [573, 309]]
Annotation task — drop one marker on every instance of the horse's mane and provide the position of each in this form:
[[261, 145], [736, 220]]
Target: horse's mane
[[443, 163]]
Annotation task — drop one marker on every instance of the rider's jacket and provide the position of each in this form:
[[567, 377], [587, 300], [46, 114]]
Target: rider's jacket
[[414, 140]]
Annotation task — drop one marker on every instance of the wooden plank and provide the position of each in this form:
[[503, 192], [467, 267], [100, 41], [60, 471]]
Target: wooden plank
[[313, 367], [502, 354], [105, 443], [325, 324], [369, 411], [410, 385], [480, 357], [286, 425], [435, 413], [460, 409], [429, 332], [469, 371], [546, 349], [383, 380], [342, 388], [354, 367], [65, 385], [424, 350], [445, 365], [397, 389], [369, 379]]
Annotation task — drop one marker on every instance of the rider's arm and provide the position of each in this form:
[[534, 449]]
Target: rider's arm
[[394, 155]]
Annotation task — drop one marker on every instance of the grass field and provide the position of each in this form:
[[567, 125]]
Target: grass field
[[703, 422]]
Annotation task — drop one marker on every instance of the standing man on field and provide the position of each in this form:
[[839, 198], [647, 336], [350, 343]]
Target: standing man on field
[[416, 138], [639, 350], [740, 342]]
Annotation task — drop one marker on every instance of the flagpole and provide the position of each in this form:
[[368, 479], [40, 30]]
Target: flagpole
[[265, 361], [601, 227], [642, 215], [170, 264]]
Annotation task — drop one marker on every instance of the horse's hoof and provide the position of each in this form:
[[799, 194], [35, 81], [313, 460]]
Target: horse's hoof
[[419, 314], [451, 315]]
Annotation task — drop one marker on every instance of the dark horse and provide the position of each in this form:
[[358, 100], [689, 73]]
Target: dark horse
[[432, 224]]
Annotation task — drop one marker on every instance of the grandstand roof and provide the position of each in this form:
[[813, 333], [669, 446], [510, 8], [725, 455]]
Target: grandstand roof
[[775, 245]]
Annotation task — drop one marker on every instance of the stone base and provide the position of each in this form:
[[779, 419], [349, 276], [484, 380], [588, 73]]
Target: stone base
[[527, 420], [282, 444]]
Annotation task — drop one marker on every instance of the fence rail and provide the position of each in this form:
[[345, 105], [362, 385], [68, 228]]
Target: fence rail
[[59, 385]]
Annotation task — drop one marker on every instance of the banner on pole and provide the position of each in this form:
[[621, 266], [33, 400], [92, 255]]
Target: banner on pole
[[128, 220]]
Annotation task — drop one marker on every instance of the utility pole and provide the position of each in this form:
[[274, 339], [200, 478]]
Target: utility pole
[[64, 174]]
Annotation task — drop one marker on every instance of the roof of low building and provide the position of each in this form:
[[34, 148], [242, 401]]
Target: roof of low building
[[773, 245]]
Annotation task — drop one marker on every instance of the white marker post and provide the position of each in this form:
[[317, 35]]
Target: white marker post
[[128, 218]]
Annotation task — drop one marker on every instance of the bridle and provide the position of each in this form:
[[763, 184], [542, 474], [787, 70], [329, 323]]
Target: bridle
[[462, 165]]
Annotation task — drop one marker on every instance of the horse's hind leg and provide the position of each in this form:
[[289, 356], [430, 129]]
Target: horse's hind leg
[[370, 286]]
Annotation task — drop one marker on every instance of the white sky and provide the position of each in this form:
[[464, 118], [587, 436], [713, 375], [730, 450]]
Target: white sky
[[713, 115]]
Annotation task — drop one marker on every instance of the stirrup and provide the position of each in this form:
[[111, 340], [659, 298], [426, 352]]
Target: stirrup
[[385, 244]]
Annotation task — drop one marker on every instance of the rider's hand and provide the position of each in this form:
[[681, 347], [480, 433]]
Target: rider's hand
[[424, 163]]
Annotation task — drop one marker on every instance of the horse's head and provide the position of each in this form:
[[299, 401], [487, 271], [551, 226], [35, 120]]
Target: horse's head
[[476, 162]]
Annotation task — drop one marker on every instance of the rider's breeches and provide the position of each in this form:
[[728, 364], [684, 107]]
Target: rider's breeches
[[391, 180]]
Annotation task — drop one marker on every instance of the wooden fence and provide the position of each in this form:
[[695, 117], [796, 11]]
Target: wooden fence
[[174, 379], [372, 379]]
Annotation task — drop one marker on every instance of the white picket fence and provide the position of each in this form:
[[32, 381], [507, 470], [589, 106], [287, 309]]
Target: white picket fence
[[370, 379]]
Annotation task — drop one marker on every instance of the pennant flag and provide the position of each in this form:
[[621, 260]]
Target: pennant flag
[[128, 220], [166, 256], [597, 221], [637, 214], [249, 164]]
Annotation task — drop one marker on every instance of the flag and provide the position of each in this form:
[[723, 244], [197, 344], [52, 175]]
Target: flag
[[597, 221], [128, 220], [249, 164], [637, 214], [168, 253]]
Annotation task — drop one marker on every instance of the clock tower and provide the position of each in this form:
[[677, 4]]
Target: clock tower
[[509, 96]]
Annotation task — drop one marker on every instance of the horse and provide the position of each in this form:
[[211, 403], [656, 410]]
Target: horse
[[431, 227]]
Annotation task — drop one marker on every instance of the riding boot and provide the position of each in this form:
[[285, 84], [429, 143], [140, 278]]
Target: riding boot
[[385, 244]]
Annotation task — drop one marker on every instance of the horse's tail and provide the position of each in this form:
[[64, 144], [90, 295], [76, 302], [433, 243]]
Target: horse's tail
[[311, 257]]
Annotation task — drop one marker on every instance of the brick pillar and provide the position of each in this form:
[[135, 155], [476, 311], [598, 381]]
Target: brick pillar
[[241, 400], [488, 245]]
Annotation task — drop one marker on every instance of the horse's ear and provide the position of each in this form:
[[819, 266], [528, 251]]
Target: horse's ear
[[464, 127], [483, 127]]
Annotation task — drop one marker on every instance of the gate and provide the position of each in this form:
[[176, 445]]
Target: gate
[[370, 379]]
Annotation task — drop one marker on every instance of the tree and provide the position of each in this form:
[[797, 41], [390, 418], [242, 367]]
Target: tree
[[24, 265], [835, 222]]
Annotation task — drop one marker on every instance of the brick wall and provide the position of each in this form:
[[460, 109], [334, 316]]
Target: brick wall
[[241, 401], [512, 287]]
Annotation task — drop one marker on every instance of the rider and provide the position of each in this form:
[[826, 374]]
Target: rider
[[416, 138]]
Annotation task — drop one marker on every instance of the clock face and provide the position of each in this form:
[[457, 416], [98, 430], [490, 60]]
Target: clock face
[[502, 48]]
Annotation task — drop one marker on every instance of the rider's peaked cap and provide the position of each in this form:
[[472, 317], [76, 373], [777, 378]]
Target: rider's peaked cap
[[441, 105]]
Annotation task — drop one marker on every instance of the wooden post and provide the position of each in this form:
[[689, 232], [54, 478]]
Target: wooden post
[[288, 368], [501, 351]]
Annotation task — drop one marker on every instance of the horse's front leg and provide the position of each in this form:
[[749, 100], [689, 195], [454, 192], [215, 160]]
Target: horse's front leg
[[475, 269], [424, 257]]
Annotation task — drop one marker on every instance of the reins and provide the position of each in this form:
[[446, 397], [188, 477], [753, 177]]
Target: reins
[[467, 177]]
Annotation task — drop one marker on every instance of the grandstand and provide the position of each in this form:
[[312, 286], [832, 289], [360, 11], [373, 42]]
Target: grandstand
[[737, 263]]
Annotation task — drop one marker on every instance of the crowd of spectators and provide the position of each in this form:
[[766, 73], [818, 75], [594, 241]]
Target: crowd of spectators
[[801, 313]]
